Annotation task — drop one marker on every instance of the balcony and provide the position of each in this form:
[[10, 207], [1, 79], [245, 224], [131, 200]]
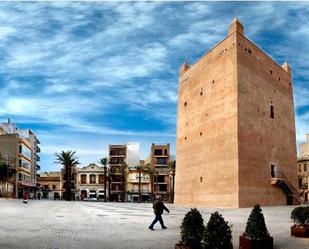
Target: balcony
[[38, 167], [38, 158], [162, 171], [117, 155], [38, 149]]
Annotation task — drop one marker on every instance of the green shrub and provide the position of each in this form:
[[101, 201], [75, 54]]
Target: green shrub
[[192, 229], [256, 227], [218, 234], [300, 216]]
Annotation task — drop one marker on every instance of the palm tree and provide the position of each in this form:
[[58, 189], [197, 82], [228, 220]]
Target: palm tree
[[124, 167], [104, 161], [172, 167], [67, 159], [139, 169], [151, 173]]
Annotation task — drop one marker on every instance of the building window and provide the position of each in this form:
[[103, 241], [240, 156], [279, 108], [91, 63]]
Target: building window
[[161, 160], [163, 188], [201, 133], [54, 187], [305, 167], [83, 179], [92, 179], [101, 179], [272, 112], [271, 71], [158, 152], [201, 179], [165, 152], [300, 182], [20, 176], [201, 93], [185, 104], [299, 168]]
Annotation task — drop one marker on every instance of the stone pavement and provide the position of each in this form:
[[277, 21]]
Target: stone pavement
[[84, 225]]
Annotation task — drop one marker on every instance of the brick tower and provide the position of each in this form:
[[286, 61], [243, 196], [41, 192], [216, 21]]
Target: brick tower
[[235, 130]]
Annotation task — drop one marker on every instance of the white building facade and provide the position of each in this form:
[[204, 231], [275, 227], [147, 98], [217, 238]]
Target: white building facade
[[90, 182]]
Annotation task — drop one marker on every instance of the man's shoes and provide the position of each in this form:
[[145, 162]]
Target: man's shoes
[[164, 227], [151, 228]]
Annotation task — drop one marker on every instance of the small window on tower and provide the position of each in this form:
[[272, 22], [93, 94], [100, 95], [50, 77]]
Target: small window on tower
[[185, 104], [201, 93], [272, 112]]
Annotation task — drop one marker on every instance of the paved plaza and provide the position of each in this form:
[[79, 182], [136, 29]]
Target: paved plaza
[[84, 225]]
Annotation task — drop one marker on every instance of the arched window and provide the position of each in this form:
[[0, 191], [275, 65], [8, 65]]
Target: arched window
[[83, 179], [272, 112], [101, 179], [93, 179], [273, 170]]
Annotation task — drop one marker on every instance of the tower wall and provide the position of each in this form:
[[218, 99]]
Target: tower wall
[[226, 137], [207, 151], [263, 140]]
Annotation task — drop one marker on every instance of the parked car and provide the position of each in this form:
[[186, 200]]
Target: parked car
[[91, 199]]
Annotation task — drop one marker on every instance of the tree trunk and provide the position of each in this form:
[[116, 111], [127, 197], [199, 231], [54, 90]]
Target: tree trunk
[[68, 183], [173, 192], [139, 187], [105, 183]]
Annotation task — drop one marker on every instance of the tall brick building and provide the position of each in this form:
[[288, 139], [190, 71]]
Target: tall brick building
[[235, 130]]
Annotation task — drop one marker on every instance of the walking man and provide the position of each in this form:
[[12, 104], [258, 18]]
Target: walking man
[[158, 208]]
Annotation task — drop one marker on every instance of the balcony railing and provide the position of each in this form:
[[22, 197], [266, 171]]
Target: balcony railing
[[38, 149]]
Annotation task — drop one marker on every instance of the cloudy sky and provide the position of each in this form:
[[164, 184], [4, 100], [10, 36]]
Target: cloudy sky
[[83, 75]]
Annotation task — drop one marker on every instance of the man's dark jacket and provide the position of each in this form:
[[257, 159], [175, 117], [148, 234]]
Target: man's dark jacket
[[158, 207]]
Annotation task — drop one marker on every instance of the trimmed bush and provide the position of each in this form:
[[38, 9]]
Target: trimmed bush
[[256, 228], [300, 216], [192, 229], [218, 234]]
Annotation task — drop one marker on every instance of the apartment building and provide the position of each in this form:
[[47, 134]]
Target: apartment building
[[136, 185], [121, 157], [50, 185], [158, 160], [20, 149], [90, 182], [303, 170], [236, 143]]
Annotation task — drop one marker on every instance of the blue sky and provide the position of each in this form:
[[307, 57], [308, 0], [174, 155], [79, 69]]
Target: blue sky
[[84, 75]]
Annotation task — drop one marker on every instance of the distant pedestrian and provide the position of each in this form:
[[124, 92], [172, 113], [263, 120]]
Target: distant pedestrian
[[158, 208], [25, 198]]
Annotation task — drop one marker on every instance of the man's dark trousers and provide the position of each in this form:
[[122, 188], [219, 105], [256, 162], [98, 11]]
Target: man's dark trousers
[[156, 219]]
